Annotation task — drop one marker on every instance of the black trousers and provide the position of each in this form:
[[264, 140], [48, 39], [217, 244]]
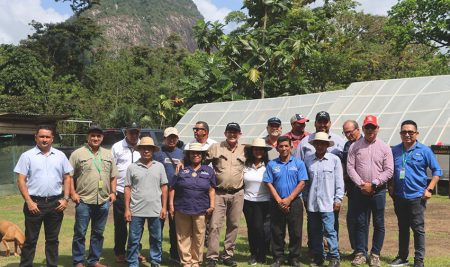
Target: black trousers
[[294, 222], [410, 214], [52, 224], [120, 225], [256, 215], [173, 251]]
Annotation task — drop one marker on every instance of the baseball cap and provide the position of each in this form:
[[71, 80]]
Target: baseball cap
[[95, 128], [274, 120], [133, 126], [170, 130], [370, 119], [322, 115], [233, 126], [299, 118]]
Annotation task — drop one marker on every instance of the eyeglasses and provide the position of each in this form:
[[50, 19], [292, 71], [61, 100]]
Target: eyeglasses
[[410, 133], [198, 129], [370, 127], [349, 132]]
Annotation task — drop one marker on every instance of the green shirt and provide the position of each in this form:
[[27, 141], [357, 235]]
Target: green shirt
[[92, 174]]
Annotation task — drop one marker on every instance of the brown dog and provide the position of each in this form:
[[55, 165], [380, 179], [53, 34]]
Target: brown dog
[[9, 232]]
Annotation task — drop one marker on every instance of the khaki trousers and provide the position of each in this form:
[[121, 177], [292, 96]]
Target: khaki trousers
[[229, 206], [191, 238]]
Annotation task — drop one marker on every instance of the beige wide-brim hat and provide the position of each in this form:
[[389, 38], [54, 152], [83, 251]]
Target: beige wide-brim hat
[[194, 147], [322, 136], [259, 142], [148, 141]]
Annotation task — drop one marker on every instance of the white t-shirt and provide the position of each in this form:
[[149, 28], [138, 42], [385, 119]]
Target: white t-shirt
[[205, 146], [254, 187], [124, 156]]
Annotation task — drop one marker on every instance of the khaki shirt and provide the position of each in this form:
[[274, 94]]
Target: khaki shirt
[[228, 164], [93, 181]]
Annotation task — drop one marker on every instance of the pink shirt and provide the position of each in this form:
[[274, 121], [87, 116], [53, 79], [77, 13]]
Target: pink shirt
[[370, 163], [295, 140]]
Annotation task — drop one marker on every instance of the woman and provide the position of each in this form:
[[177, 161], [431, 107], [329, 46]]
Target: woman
[[191, 198], [256, 200]]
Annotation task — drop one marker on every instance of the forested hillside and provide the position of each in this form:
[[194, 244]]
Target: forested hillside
[[106, 66]]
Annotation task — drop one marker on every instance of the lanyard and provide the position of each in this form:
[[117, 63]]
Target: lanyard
[[405, 157], [97, 160]]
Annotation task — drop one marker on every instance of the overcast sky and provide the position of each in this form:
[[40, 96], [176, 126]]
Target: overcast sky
[[15, 15]]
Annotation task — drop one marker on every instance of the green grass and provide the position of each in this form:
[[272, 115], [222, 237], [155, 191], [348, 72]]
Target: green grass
[[11, 209]]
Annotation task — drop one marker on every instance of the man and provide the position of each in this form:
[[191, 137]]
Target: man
[[145, 199], [297, 133], [170, 156], [411, 192], [305, 149], [44, 182], [324, 191], [93, 190], [124, 153], [351, 130], [228, 160], [285, 177], [273, 132], [201, 135], [322, 124], [369, 165]]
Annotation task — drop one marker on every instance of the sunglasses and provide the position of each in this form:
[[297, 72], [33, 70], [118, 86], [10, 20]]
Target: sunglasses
[[195, 129], [410, 133]]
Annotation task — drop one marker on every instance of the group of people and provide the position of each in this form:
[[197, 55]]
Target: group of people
[[207, 184]]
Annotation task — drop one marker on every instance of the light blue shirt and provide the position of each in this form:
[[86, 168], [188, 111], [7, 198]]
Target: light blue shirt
[[305, 149], [44, 173], [326, 182]]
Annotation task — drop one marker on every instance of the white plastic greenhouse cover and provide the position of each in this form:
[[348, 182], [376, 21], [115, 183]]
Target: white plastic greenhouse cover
[[425, 100]]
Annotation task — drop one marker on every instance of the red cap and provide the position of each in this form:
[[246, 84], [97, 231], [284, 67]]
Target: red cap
[[370, 120]]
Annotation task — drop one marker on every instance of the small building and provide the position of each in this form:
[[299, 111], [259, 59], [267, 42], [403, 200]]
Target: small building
[[16, 136]]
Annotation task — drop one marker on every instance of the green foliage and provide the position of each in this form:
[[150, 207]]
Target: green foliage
[[425, 22]]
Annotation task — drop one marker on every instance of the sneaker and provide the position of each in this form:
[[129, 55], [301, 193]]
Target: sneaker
[[252, 261], [294, 263], [211, 263], [120, 259], [277, 263], [418, 263], [229, 262], [374, 260], [334, 263], [359, 259], [316, 262], [398, 262]]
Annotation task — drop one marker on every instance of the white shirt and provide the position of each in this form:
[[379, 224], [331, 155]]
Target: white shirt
[[205, 146], [254, 187], [123, 155]]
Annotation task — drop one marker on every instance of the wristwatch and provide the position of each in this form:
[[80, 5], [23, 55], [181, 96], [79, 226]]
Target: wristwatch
[[374, 187], [66, 198], [430, 190]]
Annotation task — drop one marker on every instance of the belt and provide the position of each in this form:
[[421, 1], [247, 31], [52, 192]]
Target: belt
[[45, 199], [228, 191]]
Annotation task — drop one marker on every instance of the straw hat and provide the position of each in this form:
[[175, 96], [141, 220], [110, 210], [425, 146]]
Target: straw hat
[[194, 147], [322, 136], [148, 141], [259, 142]]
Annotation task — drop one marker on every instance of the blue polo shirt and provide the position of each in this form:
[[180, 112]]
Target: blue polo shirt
[[417, 159], [192, 189], [285, 176], [177, 157]]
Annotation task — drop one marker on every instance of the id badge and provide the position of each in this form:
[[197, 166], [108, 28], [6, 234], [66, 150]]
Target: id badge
[[100, 184], [402, 173]]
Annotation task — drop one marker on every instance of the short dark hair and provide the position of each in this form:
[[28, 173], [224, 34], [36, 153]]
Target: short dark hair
[[284, 139], [205, 124], [45, 127], [409, 122]]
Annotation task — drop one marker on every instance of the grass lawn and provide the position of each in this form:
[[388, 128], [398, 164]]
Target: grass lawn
[[437, 236]]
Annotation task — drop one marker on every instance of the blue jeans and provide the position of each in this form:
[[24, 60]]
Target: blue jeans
[[155, 239], [83, 214], [365, 205], [322, 225]]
